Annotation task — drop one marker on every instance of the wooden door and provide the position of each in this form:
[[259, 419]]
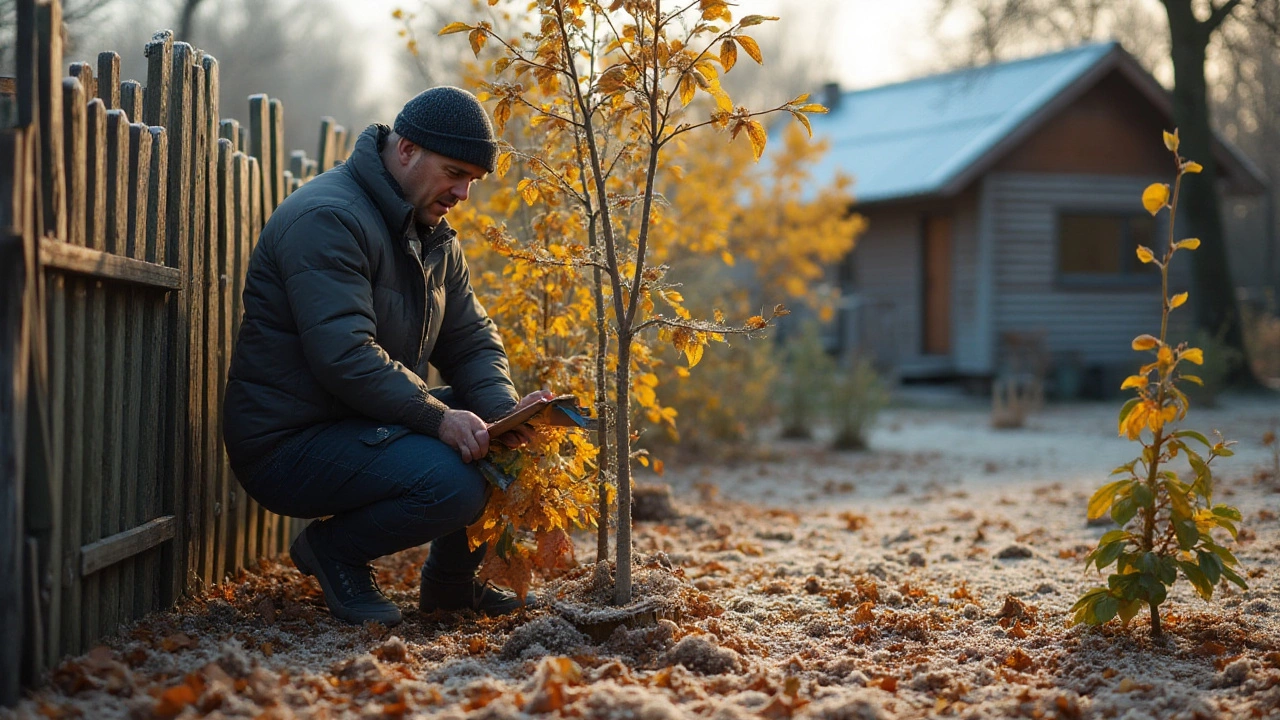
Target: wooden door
[[936, 305]]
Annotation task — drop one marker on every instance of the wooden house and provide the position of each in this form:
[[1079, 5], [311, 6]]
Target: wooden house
[[1003, 207]]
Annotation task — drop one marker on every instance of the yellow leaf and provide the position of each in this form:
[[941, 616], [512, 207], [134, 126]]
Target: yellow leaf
[[1192, 355], [1145, 254], [726, 257], [1145, 342], [502, 113], [719, 316], [750, 47], [454, 27], [1156, 196], [688, 86], [1177, 300], [723, 102], [728, 54], [755, 131], [804, 121], [813, 108], [504, 164], [1192, 167], [1171, 140], [693, 351], [397, 13], [1134, 381], [750, 20], [1188, 244], [658, 466], [644, 460], [528, 190], [1164, 356]]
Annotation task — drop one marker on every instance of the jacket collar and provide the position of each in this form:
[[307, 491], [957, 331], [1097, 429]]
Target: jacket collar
[[366, 167]]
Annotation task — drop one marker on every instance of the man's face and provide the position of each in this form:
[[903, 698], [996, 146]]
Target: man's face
[[433, 183]]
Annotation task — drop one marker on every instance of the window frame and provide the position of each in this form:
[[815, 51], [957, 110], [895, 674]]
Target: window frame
[[1124, 280]]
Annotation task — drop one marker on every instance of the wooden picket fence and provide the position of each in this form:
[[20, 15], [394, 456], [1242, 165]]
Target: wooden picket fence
[[127, 216]]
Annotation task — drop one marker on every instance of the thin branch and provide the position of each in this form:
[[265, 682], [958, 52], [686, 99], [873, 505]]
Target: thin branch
[[696, 325], [1219, 13]]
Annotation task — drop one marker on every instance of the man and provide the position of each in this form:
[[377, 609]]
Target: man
[[356, 284]]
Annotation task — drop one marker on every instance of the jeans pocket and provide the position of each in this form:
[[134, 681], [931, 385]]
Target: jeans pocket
[[383, 434]]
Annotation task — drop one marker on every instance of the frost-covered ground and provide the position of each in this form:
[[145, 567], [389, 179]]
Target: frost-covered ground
[[928, 577]]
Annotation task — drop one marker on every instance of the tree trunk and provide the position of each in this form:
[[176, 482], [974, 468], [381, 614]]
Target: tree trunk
[[602, 414], [1216, 309], [622, 467]]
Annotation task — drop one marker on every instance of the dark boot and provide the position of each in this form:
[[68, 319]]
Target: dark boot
[[350, 591], [471, 594]]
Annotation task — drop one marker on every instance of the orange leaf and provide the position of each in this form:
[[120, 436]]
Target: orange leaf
[[515, 571], [750, 47], [728, 54], [174, 700], [477, 38]]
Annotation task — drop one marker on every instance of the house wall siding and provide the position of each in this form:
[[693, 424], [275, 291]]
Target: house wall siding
[[1096, 323], [887, 269]]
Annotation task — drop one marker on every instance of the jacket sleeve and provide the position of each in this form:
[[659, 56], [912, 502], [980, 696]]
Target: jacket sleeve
[[326, 277], [469, 352]]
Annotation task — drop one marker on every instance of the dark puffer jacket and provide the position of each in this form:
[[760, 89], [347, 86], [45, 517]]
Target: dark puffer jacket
[[341, 317]]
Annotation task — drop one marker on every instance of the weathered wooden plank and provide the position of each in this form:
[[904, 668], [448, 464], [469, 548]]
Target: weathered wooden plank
[[340, 142], [245, 512], [52, 176], [199, 297], [110, 550], [155, 98], [83, 72], [277, 153], [131, 99], [95, 263], [260, 517], [117, 370], [74, 154], [67, 582], [328, 151], [219, 331], [179, 492], [230, 130], [215, 484], [109, 79], [298, 163], [155, 373], [57, 322], [260, 146], [95, 359], [15, 185], [139, 168]]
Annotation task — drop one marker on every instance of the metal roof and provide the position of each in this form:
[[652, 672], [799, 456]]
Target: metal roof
[[932, 136]]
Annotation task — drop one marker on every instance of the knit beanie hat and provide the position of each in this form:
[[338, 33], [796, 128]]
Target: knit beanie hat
[[450, 121]]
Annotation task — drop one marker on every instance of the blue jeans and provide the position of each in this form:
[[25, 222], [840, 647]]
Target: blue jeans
[[385, 487]]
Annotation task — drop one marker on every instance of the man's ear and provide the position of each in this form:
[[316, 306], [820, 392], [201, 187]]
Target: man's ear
[[404, 151]]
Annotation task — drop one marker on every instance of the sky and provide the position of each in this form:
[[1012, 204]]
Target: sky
[[875, 42]]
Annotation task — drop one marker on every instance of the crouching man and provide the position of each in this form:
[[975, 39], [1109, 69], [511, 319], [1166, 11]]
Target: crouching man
[[357, 282]]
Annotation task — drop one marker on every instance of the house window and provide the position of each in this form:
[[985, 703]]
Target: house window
[[1097, 247]]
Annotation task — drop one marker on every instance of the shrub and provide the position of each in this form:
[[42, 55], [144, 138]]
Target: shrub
[[858, 397], [810, 374]]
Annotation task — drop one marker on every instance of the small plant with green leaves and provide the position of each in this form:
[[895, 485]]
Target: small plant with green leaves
[[810, 374], [858, 396], [1166, 521]]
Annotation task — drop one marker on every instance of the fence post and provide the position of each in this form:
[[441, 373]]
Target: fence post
[[15, 246]]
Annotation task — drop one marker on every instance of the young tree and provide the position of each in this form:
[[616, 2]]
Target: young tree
[[615, 86]]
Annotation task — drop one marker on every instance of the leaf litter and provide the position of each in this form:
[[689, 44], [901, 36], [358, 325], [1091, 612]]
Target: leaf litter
[[762, 602]]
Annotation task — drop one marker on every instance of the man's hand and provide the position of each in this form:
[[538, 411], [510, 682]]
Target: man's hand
[[465, 432], [523, 434]]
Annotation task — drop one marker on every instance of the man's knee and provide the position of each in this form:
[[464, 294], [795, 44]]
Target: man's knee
[[451, 488]]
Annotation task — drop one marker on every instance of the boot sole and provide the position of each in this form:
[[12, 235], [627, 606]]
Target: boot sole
[[304, 558]]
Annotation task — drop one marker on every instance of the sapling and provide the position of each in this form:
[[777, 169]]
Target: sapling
[[1165, 523]]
